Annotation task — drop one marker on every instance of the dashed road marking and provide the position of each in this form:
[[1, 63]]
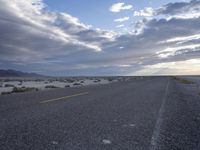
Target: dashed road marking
[[65, 97]]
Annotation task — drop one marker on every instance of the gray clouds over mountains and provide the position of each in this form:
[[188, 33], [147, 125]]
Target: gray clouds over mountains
[[34, 39]]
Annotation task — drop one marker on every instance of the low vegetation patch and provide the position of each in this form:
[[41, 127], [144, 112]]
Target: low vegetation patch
[[9, 85], [77, 84], [6, 93], [110, 79], [23, 89], [186, 81], [7, 80], [20, 90], [20, 83], [98, 80], [50, 87], [70, 80], [183, 81]]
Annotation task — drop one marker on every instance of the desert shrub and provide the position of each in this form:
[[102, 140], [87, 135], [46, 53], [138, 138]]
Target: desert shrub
[[70, 80], [7, 80], [23, 89], [9, 85], [20, 83], [20, 90], [186, 81], [5, 93], [183, 81], [50, 81], [50, 87], [76, 84], [121, 79], [110, 79], [97, 80], [39, 80]]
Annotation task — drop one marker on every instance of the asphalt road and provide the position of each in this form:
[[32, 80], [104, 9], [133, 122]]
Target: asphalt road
[[153, 113]]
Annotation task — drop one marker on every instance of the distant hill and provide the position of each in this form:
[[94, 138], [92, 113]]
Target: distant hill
[[14, 73]]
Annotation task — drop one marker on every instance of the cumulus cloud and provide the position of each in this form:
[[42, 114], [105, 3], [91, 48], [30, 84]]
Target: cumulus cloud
[[178, 9], [181, 40], [146, 12], [60, 29], [181, 8], [32, 38], [120, 26], [172, 51], [117, 7], [121, 19]]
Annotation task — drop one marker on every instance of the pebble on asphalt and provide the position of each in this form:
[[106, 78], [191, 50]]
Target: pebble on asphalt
[[54, 142], [105, 141]]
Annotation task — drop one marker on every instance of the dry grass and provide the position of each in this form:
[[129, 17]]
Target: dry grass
[[23, 89], [6, 93], [20, 90], [183, 81], [50, 87]]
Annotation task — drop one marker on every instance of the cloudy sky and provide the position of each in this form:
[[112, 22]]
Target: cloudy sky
[[102, 37]]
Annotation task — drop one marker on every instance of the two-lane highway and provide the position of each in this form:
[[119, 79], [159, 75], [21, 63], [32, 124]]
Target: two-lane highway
[[129, 115]]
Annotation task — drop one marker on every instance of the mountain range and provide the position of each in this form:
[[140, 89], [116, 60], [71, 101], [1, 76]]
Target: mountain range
[[15, 73]]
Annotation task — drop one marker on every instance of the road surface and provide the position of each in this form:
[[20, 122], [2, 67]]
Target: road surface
[[153, 113]]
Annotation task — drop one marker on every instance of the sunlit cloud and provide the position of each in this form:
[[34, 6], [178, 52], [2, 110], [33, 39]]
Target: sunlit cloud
[[121, 19], [174, 50], [173, 68], [120, 26], [146, 12], [117, 7]]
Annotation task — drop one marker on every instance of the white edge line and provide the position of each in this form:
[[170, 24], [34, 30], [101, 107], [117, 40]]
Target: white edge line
[[156, 132]]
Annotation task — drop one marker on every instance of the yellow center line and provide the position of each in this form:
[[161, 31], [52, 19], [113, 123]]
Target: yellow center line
[[65, 97]]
